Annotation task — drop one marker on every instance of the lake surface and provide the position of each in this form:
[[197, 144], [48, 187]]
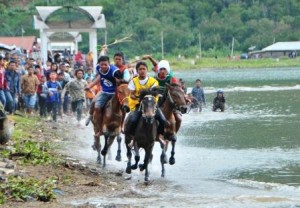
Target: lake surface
[[248, 156]]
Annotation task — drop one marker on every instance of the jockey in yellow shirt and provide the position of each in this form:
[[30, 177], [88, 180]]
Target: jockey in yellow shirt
[[136, 85]]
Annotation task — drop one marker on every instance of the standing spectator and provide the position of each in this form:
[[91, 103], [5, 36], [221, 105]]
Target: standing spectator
[[64, 104], [78, 58], [65, 71], [54, 67], [3, 82], [89, 74], [198, 93], [76, 88], [53, 99], [13, 81], [42, 97], [29, 84], [57, 58], [91, 93]]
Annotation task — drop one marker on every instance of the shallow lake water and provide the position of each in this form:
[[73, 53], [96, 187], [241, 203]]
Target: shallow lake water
[[247, 156]]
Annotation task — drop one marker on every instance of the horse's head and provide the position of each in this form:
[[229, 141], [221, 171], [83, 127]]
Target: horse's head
[[148, 106], [176, 96], [122, 94]]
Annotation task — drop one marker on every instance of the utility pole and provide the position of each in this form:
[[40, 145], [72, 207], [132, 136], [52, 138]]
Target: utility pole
[[105, 37], [232, 46], [162, 45], [200, 46]]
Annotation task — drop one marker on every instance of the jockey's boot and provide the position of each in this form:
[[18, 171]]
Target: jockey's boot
[[132, 122], [162, 121]]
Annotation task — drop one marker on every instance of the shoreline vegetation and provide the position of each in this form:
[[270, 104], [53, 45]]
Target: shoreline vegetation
[[43, 171], [224, 63]]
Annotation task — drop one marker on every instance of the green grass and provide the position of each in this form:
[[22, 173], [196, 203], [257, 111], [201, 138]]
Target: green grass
[[206, 63], [27, 189], [28, 146]]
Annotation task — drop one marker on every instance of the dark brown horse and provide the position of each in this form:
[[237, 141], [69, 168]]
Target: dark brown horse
[[113, 118], [175, 103], [144, 136]]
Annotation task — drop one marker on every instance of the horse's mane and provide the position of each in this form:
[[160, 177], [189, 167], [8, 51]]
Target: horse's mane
[[152, 92], [121, 81], [174, 85]]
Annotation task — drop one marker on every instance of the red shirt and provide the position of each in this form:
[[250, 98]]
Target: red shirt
[[3, 81]]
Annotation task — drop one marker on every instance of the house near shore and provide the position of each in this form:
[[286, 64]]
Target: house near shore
[[25, 42], [277, 50]]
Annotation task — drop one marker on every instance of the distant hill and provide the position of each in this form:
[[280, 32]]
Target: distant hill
[[184, 23]]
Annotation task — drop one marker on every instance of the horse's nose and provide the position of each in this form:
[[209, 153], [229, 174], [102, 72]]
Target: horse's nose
[[125, 108], [183, 109]]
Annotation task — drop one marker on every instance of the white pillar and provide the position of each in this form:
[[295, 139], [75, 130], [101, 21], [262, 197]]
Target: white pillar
[[44, 47], [75, 47], [93, 46]]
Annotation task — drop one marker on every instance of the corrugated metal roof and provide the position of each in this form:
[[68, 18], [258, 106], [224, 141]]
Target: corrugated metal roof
[[25, 42], [283, 46]]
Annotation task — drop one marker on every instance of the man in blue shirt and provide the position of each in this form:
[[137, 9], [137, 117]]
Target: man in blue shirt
[[198, 93], [106, 75], [13, 81]]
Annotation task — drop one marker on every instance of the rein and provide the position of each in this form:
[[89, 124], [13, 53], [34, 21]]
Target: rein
[[172, 102]]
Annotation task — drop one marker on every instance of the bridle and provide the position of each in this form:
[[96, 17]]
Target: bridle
[[121, 101], [141, 108], [172, 102]]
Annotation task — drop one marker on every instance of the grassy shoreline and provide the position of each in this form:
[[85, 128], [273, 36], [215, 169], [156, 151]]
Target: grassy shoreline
[[223, 63]]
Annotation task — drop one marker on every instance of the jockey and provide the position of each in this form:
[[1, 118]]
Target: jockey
[[107, 75], [142, 82], [164, 75], [120, 63]]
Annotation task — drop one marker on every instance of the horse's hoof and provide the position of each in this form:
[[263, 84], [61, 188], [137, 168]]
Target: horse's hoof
[[172, 161], [162, 175], [134, 167], [118, 158], [103, 152], [99, 160], [142, 167], [128, 170], [147, 181]]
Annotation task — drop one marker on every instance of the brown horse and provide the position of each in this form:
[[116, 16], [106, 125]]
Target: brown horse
[[144, 136], [175, 103], [113, 118]]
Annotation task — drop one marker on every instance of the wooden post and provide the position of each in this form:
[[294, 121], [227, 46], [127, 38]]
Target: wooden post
[[162, 45]]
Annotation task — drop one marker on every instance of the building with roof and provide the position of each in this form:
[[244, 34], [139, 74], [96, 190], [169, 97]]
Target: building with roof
[[64, 23], [276, 50], [25, 42]]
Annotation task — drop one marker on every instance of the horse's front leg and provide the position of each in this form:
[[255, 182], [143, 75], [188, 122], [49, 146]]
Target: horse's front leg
[[104, 150], [129, 153], [144, 166], [136, 157], [119, 139], [163, 156], [173, 141], [97, 147]]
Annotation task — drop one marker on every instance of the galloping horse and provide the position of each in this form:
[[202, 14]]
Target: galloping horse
[[113, 118], [175, 101], [145, 134]]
